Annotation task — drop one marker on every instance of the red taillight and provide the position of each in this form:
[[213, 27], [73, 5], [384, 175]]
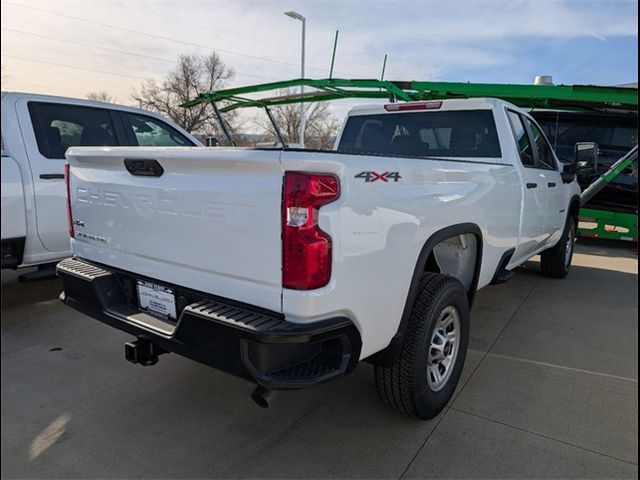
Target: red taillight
[[401, 107], [69, 217], [306, 250]]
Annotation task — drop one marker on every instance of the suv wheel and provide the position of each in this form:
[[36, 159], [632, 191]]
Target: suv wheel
[[432, 355]]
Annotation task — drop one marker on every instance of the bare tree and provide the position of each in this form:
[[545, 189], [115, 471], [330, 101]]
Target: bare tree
[[194, 74], [321, 126], [101, 96]]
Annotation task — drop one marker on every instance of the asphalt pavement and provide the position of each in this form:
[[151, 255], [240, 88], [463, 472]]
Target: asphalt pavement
[[549, 390]]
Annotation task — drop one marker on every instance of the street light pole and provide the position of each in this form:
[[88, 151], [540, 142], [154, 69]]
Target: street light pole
[[297, 16]]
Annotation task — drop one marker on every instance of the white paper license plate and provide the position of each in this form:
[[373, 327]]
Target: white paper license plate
[[157, 299]]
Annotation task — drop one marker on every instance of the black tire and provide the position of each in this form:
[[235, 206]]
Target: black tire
[[556, 262], [406, 386]]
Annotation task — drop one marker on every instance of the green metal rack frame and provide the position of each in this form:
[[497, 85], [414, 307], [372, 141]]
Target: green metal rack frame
[[582, 97]]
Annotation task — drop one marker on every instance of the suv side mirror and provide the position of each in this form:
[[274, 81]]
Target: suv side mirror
[[586, 158]]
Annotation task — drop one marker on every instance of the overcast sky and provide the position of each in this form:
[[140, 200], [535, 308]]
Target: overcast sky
[[79, 46]]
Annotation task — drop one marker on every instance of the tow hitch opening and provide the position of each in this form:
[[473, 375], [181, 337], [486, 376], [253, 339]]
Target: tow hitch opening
[[143, 352]]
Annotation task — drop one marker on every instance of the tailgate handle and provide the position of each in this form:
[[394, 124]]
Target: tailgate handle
[[143, 167]]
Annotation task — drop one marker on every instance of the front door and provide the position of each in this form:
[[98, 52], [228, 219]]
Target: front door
[[534, 192], [548, 165]]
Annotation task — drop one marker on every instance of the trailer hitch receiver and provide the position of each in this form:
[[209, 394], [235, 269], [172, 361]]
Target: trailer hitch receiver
[[143, 352]]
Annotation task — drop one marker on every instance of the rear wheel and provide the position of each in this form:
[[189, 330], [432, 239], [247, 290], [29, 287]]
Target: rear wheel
[[433, 352], [556, 262]]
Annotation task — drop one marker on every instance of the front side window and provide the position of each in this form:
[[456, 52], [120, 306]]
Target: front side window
[[545, 155], [149, 132], [425, 134], [522, 139], [58, 127]]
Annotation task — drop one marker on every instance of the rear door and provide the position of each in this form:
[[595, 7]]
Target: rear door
[[532, 223], [48, 130]]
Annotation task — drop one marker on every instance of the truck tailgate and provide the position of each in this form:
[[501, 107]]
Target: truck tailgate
[[210, 221]]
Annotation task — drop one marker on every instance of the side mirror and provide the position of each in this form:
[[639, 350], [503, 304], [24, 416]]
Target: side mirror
[[586, 158], [212, 142]]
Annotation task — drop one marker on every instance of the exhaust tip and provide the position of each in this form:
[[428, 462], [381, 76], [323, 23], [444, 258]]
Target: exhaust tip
[[262, 396]]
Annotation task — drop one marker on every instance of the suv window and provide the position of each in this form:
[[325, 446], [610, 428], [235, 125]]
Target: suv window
[[545, 155], [149, 132], [522, 139], [469, 133], [58, 127]]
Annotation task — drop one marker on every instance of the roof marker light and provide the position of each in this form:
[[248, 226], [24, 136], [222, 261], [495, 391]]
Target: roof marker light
[[400, 107]]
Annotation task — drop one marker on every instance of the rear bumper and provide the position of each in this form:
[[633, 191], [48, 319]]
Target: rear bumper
[[237, 338]]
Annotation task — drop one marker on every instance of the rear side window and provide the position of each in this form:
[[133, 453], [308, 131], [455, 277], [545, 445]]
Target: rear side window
[[522, 139], [545, 155], [58, 127], [150, 132], [430, 134]]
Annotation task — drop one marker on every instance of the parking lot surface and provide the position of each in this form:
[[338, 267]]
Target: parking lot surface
[[550, 389]]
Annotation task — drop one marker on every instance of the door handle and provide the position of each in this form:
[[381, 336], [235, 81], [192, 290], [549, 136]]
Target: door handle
[[532, 185], [52, 176], [551, 184], [143, 167]]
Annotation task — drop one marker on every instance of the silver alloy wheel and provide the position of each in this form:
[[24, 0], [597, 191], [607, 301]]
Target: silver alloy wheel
[[569, 246], [443, 350]]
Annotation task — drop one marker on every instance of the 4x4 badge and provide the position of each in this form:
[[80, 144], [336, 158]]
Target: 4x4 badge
[[375, 176]]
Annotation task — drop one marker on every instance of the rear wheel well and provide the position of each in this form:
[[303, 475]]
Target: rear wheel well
[[455, 256], [432, 265], [438, 256]]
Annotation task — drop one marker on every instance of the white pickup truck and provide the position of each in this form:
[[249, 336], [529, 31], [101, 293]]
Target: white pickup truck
[[287, 267], [36, 131]]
